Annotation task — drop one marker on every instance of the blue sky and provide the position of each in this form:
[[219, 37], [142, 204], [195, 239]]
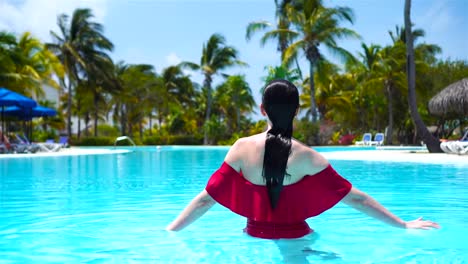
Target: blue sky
[[163, 33]]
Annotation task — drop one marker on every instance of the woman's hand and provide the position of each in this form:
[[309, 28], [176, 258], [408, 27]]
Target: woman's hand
[[421, 224]]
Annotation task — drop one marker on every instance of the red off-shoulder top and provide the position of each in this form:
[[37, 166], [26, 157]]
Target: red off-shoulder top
[[308, 197]]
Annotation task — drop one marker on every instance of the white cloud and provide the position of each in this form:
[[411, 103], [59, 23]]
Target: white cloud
[[172, 59], [40, 16]]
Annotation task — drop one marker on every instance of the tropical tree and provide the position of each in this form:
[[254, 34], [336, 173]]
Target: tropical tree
[[234, 98], [26, 64], [135, 101], [8, 58], [278, 32], [216, 56], [56, 122], [77, 42], [100, 82], [388, 74], [317, 25], [367, 100], [433, 144], [176, 97], [281, 72]]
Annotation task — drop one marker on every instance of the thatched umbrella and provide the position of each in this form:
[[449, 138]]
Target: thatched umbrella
[[451, 101]]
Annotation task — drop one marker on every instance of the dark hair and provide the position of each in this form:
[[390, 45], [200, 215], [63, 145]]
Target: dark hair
[[280, 101]]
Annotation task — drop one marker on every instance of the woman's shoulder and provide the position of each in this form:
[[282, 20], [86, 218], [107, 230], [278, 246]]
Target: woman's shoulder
[[308, 158], [242, 148], [249, 140]]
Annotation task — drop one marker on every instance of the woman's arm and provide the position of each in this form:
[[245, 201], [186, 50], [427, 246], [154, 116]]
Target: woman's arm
[[194, 210], [366, 204], [203, 201]]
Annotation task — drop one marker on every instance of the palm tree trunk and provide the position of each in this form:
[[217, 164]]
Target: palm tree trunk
[[150, 125], [432, 143], [389, 136], [78, 110], [123, 124], [69, 113], [313, 105], [298, 68], [95, 114], [237, 106], [79, 129], [86, 124], [140, 127], [207, 84]]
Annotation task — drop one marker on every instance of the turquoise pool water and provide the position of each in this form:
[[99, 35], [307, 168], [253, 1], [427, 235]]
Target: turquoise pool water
[[114, 208]]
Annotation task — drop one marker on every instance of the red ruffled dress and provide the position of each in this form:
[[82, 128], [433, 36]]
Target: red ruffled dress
[[308, 197]]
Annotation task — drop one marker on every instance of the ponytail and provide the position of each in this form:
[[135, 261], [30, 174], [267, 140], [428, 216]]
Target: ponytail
[[280, 100]]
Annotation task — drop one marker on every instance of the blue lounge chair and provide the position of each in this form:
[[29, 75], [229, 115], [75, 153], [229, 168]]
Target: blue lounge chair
[[63, 141], [378, 139], [366, 139]]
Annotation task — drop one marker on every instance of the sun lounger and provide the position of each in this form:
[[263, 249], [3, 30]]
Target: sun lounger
[[366, 139], [43, 147], [457, 146], [64, 141], [3, 148], [378, 140]]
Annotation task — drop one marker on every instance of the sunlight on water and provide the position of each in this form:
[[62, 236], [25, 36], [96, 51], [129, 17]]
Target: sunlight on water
[[114, 208]]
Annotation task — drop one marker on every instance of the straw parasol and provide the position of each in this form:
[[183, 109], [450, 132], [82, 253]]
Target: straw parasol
[[451, 101]]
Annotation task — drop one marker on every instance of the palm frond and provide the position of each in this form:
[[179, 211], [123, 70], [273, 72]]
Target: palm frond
[[256, 26], [189, 65], [292, 51]]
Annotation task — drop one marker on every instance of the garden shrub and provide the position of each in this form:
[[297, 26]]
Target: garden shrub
[[95, 141]]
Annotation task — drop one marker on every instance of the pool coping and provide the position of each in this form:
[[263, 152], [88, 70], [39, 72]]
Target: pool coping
[[72, 151], [395, 154]]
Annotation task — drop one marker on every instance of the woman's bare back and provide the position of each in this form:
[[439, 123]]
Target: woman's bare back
[[246, 156]]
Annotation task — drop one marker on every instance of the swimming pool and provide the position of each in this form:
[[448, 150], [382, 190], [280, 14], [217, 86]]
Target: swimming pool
[[114, 208]]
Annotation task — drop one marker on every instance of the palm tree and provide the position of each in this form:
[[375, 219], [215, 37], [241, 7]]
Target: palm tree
[[7, 57], [279, 34], [216, 56], [387, 73], [235, 99], [100, 81], [26, 64], [178, 86], [369, 102], [316, 25], [281, 72], [432, 143], [333, 92], [73, 45], [135, 101]]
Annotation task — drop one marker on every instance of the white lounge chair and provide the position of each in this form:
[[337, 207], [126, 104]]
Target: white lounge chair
[[49, 147], [445, 147], [457, 146], [366, 139], [43, 147]]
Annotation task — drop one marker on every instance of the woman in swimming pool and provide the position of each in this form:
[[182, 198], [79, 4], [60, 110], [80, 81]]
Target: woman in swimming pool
[[277, 182]]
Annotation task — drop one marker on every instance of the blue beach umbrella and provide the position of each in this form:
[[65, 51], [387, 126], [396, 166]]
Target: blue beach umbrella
[[10, 98], [28, 113]]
